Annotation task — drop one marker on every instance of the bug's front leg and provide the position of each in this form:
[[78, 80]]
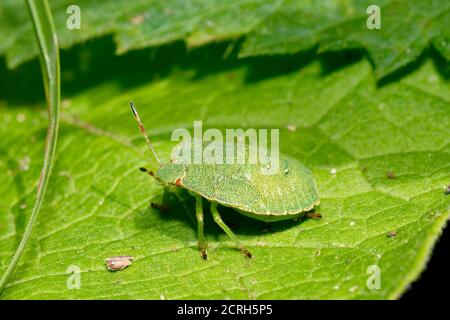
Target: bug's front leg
[[164, 207], [219, 221], [165, 203], [201, 238]]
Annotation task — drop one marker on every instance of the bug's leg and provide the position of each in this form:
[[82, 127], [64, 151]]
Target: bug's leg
[[199, 214], [165, 206], [165, 202], [313, 215], [219, 221]]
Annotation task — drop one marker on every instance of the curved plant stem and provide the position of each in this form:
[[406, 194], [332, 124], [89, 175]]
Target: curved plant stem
[[49, 59]]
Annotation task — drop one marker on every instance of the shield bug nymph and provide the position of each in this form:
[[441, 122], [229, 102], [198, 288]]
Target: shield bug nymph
[[290, 193]]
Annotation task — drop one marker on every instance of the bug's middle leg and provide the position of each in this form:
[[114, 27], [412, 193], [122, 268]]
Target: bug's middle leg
[[201, 238], [227, 230]]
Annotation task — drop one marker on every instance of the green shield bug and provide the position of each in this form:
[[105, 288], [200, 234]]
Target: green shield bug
[[287, 194]]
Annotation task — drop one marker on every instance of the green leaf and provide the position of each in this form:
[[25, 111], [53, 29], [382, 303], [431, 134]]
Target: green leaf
[[268, 26], [49, 57], [298, 25], [136, 24], [407, 28], [98, 205]]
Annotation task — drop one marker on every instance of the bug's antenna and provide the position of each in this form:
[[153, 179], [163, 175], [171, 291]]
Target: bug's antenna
[[143, 131]]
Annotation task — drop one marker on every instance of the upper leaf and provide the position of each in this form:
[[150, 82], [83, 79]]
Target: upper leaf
[[407, 28], [268, 26]]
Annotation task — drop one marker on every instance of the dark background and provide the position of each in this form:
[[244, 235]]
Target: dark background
[[435, 279]]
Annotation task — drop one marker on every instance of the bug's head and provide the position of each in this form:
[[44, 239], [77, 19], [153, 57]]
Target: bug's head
[[167, 174], [170, 174]]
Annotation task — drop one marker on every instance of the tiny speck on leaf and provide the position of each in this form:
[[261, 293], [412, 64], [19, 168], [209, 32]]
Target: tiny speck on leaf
[[392, 234], [391, 175], [118, 263], [447, 189]]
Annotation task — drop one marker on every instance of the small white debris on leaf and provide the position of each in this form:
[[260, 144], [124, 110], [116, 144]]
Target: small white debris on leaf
[[333, 171], [137, 19], [432, 79], [291, 127], [118, 263], [353, 289], [24, 163], [21, 117]]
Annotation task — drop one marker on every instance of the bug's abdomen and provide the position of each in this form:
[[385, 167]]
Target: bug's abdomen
[[290, 191]]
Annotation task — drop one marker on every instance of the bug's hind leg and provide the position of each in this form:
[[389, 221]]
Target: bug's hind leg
[[165, 204], [227, 230], [313, 215], [201, 238]]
